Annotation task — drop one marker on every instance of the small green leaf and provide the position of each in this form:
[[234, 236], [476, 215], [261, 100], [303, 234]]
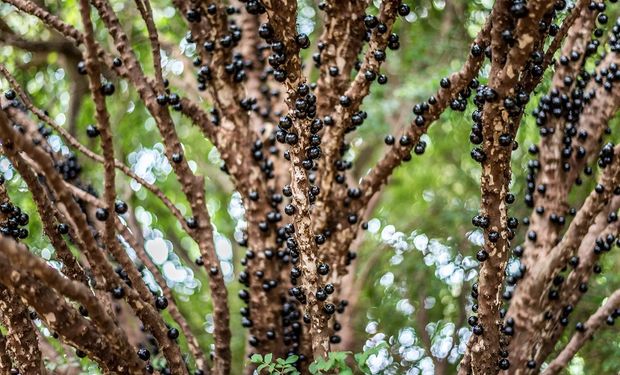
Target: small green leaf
[[339, 356], [313, 368], [361, 358], [292, 359], [256, 358], [326, 365], [261, 367], [268, 357]]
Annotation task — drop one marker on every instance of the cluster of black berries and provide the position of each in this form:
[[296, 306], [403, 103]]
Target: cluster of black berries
[[168, 98], [14, 220], [459, 103], [204, 74], [514, 106], [614, 36], [293, 330], [279, 57], [560, 105], [356, 120], [602, 244], [606, 155], [611, 319], [237, 67], [507, 329], [107, 87], [568, 107], [254, 7], [44, 131], [69, 167], [150, 347], [265, 163], [123, 275], [341, 165]]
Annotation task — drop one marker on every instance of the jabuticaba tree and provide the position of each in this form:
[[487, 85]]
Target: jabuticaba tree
[[280, 117]]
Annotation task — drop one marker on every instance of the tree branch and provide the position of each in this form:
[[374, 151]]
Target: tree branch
[[580, 338]]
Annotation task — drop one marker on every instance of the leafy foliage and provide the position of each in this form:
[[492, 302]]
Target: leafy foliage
[[279, 367], [338, 362]]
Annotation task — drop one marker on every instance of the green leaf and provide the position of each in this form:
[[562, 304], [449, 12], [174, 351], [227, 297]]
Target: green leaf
[[261, 367], [256, 358], [361, 358], [313, 368], [268, 357], [339, 356], [326, 365], [292, 359]]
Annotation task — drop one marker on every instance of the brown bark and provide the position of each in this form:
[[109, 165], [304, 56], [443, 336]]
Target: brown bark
[[530, 308], [498, 122], [136, 241], [551, 174], [356, 92], [282, 16], [192, 186], [342, 41], [76, 330], [570, 294], [594, 121], [325, 223], [21, 344], [580, 338], [5, 360]]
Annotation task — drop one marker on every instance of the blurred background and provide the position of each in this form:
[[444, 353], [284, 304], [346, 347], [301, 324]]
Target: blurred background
[[416, 262]]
